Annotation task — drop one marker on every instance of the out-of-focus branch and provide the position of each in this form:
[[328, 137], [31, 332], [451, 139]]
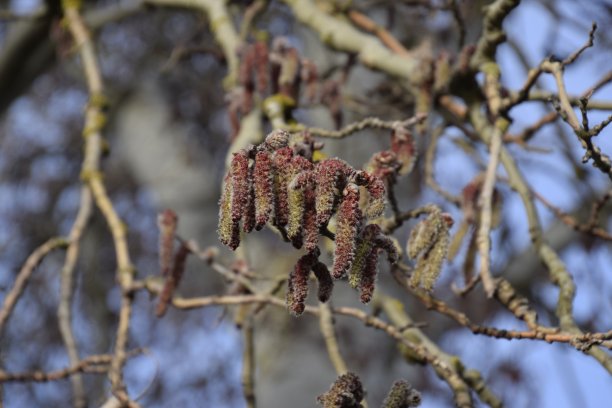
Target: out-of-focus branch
[[91, 174], [526, 135], [493, 34], [248, 364], [64, 313], [24, 274], [326, 323], [588, 228], [369, 25], [430, 156], [29, 50], [250, 14], [546, 96], [486, 214], [221, 25], [342, 36], [93, 364]]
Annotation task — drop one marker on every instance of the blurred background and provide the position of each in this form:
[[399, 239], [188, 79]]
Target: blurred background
[[169, 133]]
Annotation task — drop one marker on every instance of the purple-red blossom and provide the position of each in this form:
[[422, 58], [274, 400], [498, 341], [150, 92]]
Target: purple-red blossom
[[248, 218], [330, 177], [384, 242], [172, 280], [384, 165], [279, 179], [311, 229], [297, 203], [298, 284], [368, 276], [365, 243], [166, 222], [348, 224], [281, 163], [364, 268], [326, 283], [262, 181], [228, 230], [240, 184]]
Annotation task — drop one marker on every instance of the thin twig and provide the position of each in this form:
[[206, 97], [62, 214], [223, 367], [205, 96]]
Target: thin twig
[[24, 274], [374, 123], [543, 333], [526, 135], [430, 157], [94, 121], [326, 323], [221, 24], [398, 220], [248, 364], [64, 312], [587, 45], [93, 364], [588, 228], [597, 207], [486, 214]]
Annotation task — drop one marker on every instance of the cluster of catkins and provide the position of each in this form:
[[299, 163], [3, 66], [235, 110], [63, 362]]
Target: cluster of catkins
[[428, 245], [280, 184], [347, 392]]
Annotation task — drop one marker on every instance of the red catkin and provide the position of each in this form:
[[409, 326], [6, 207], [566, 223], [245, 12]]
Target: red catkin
[[311, 229], [326, 283], [264, 195], [376, 190], [368, 276], [281, 163], [349, 222], [240, 184], [298, 284], [173, 280], [166, 222], [248, 218], [331, 174]]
